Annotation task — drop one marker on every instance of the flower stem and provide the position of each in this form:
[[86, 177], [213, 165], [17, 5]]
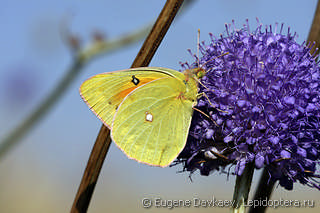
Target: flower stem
[[263, 192], [242, 188]]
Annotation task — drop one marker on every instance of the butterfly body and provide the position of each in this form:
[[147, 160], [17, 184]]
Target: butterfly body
[[148, 110]]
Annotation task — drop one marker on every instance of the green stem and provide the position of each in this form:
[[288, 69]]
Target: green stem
[[242, 188], [263, 192]]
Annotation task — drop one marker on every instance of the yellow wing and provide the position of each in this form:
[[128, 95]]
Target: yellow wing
[[104, 92], [152, 123]]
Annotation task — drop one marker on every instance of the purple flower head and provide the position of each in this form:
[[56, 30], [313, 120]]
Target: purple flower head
[[260, 104]]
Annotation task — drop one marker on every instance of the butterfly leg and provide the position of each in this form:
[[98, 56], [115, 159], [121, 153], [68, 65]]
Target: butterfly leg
[[205, 95]]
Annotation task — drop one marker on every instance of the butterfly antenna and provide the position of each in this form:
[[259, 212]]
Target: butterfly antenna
[[198, 56], [198, 47]]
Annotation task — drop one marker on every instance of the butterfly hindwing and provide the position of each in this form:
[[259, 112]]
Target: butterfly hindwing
[[152, 123]]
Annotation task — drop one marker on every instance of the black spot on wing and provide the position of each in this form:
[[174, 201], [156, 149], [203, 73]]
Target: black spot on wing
[[135, 80]]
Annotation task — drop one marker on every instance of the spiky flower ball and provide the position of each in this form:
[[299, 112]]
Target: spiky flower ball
[[262, 102]]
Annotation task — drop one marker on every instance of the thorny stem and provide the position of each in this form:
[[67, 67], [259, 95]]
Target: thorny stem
[[242, 188], [97, 156]]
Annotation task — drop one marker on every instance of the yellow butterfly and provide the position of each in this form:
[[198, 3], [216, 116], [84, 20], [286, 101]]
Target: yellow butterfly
[[148, 110]]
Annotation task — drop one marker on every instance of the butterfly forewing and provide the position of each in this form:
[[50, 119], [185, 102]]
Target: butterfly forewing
[[104, 92]]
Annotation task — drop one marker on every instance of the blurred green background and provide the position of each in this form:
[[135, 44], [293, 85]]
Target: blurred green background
[[43, 172]]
